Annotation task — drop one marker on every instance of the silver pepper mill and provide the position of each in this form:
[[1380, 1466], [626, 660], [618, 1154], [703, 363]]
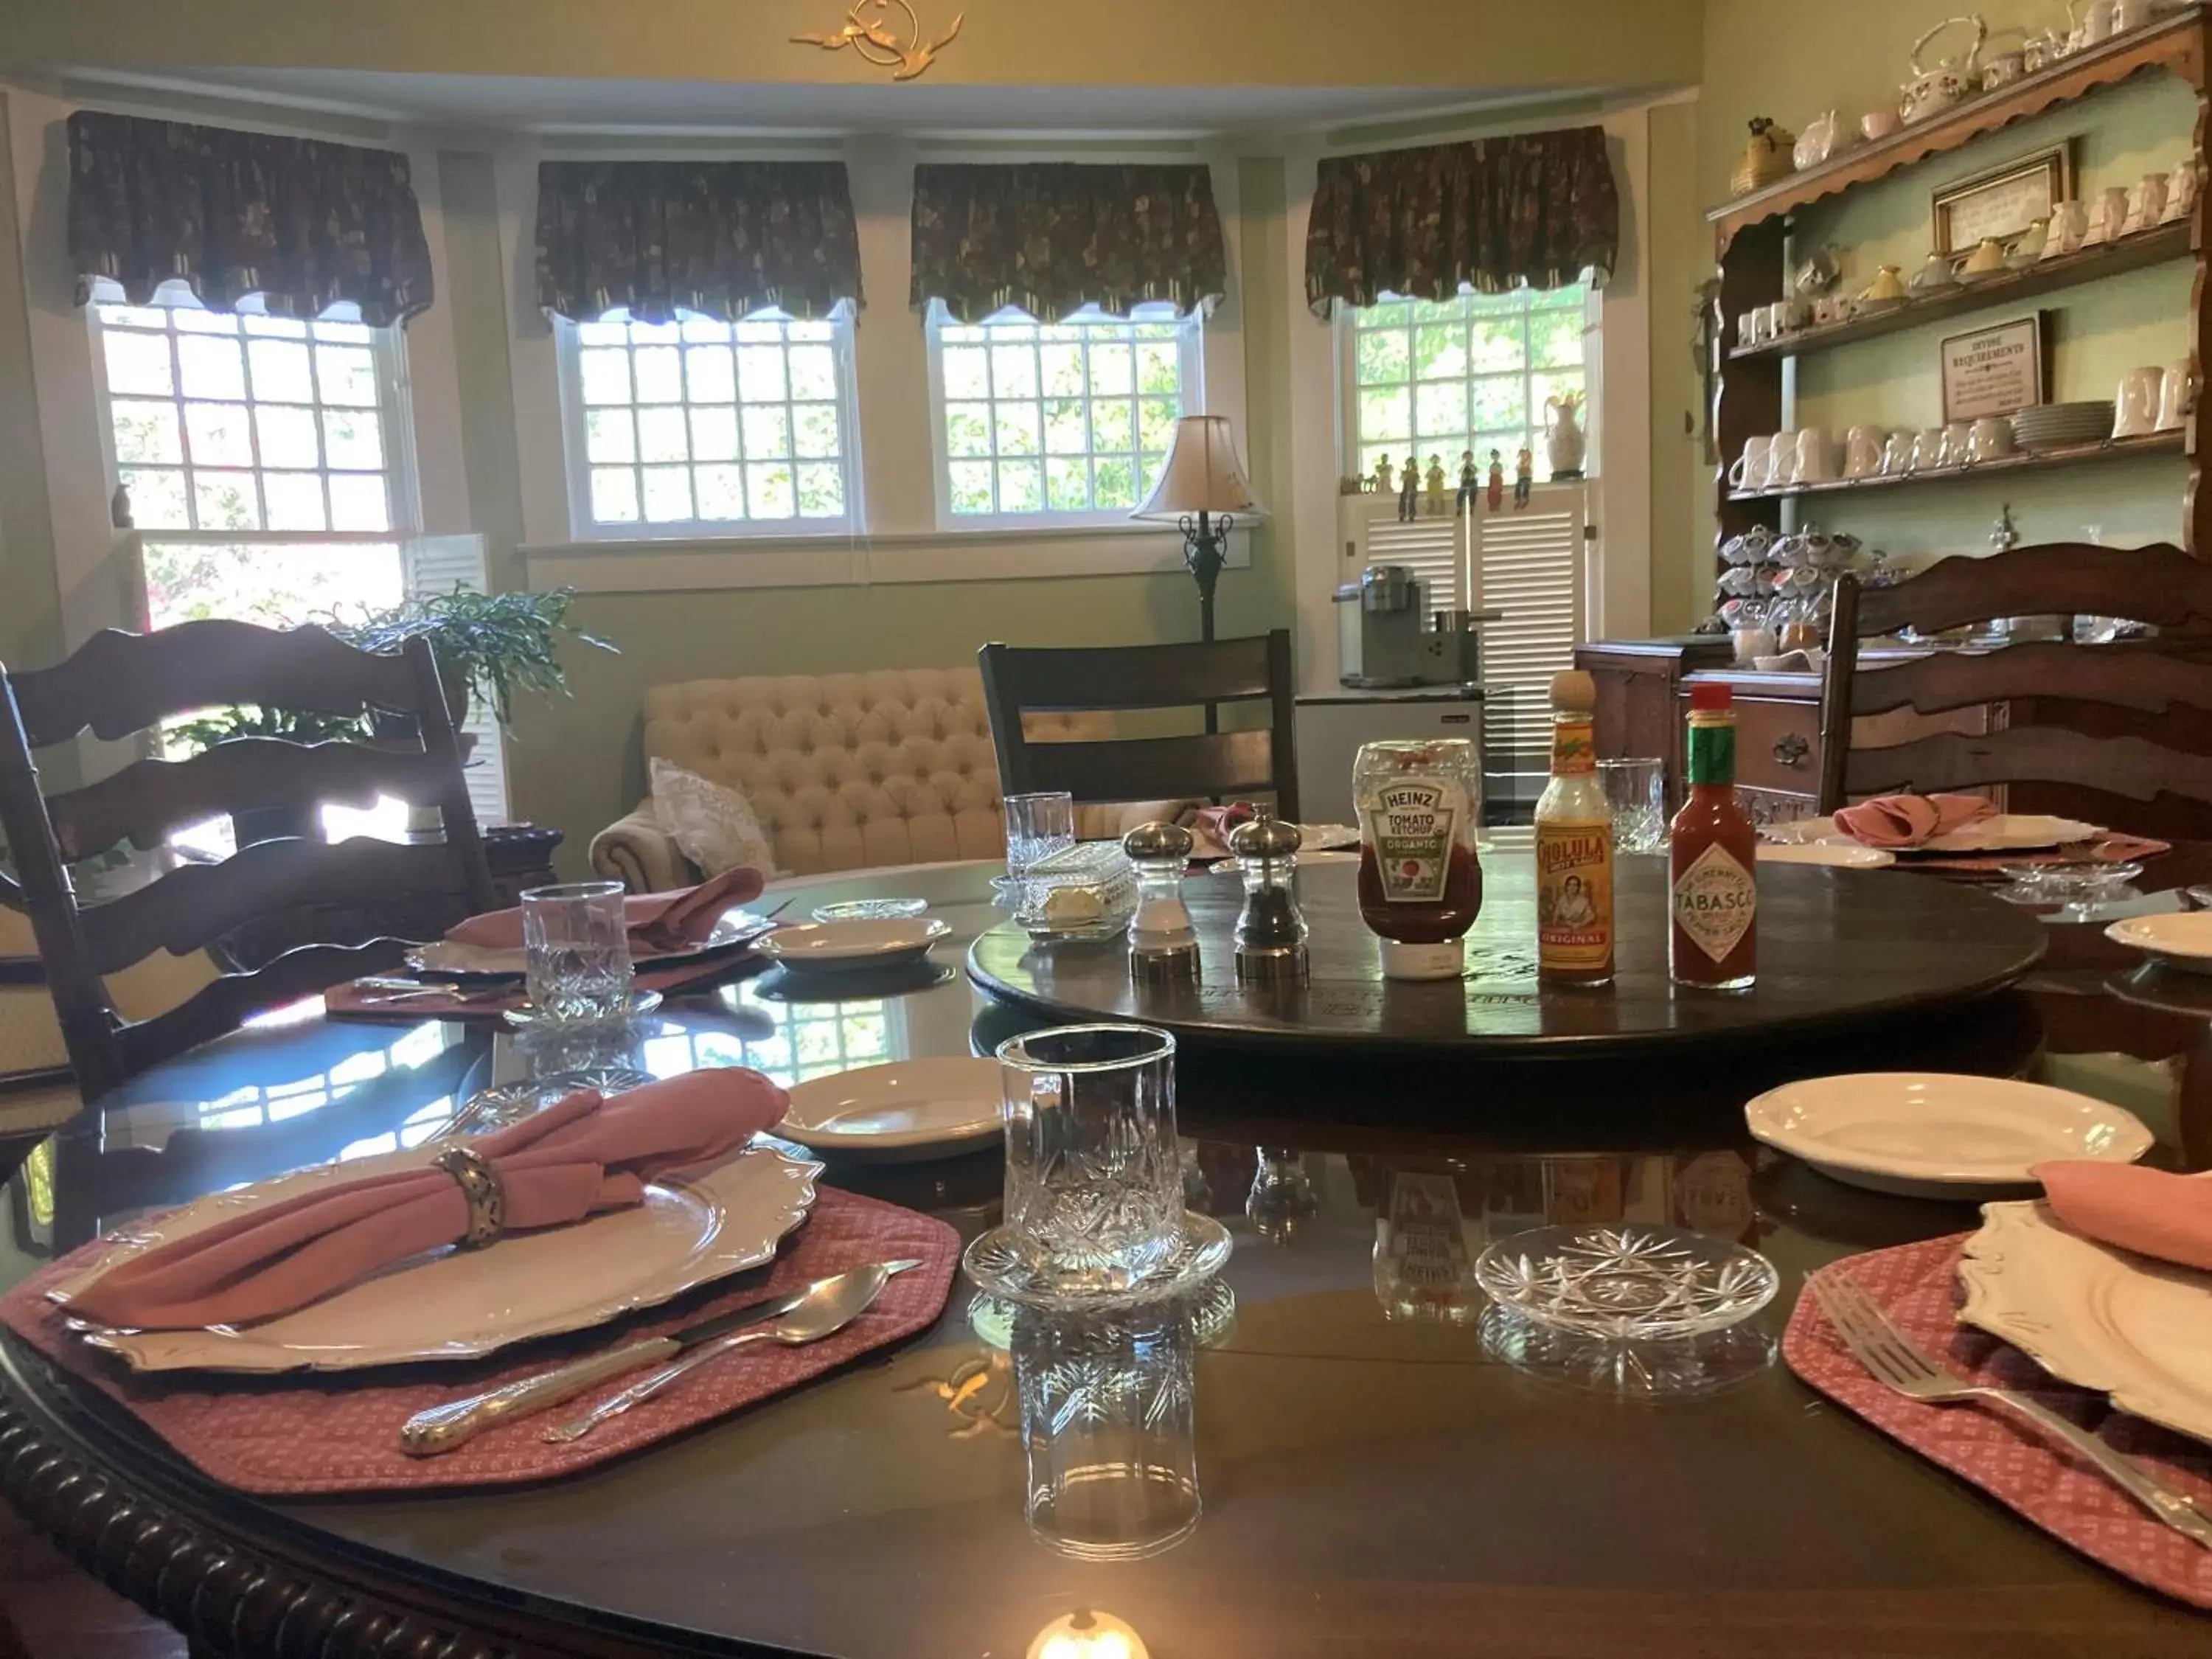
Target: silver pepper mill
[[1162, 944], [1271, 933]]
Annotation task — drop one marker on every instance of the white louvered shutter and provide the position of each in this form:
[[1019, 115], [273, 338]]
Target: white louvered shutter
[[1527, 564], [1433, 549], [434, 565]]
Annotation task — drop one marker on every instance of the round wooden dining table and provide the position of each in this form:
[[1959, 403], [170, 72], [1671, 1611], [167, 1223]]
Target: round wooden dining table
[[1375, 1477]]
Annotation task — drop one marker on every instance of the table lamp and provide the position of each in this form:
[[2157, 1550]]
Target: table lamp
[[1203, 490]]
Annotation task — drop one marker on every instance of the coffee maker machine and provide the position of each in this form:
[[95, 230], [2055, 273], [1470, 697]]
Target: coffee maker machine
[[1381, 644]]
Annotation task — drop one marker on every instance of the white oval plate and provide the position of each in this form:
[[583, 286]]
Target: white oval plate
[[2183, 939], [1835, 855], [2101, 1318], [827, 946], [444, 956], [465, 1303], [1928, 1135], [910, 1109]]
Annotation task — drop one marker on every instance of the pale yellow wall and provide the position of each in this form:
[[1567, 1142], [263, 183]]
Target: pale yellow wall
[[1500, 43], [1853, 59], [30, 596], [1681, 254]]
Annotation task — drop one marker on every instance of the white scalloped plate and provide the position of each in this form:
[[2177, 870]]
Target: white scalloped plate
[[1938, 1135], [2102, 1318], [462, 1304], [2000, 832]]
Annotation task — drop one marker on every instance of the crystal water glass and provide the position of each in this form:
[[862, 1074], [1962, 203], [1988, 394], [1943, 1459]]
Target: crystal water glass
[[1636, 794], [1037, 826], [1094, 1180], [1108, 1429], [576, 948]]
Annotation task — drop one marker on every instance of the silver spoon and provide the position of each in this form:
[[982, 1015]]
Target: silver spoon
[[823, 1311]]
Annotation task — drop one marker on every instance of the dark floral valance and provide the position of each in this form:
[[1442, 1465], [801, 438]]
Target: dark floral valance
[[1538, 208], [720, 238], [302, 222], [1053, 237]]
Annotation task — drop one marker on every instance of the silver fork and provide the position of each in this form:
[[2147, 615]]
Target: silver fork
[[1894, 1359]]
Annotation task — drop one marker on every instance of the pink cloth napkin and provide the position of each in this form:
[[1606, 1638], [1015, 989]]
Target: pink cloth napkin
[[586, 1154], [1214, 822], [659, 923], [1909, 821], [2150, 1211]]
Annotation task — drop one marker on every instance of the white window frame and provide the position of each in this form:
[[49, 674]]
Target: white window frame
[[576, 463], [395, 422], [1190, 362], [1353, 449]]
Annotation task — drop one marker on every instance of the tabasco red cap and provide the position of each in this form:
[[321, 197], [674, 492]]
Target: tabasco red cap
[[1709, 695]]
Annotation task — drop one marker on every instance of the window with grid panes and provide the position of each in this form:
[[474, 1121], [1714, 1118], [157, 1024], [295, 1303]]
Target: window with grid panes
[[264, 448], [1057, 423], [1471, 374], [697, 425]]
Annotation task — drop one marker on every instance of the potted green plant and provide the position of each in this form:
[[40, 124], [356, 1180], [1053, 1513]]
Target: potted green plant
[[489, 646]]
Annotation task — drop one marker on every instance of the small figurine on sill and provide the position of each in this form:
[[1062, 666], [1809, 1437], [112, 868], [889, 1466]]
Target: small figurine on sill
[[1497, 491], [1383, 481], [1409, 490], [1524, 474], [1433, 492], [1470, 481]]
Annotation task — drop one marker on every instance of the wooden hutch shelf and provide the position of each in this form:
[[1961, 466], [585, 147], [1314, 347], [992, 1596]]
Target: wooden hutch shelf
[[2175, 43], [2153, 247], [1751, 236], [2111, 449]]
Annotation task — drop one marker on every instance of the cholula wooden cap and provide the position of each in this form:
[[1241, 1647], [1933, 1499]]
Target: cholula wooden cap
[[1574, 690]]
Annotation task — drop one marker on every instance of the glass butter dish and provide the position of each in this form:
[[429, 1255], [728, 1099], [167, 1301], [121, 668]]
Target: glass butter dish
[[1086, 891]]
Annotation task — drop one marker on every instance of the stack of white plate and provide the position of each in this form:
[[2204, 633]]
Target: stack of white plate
[[2054, 426]]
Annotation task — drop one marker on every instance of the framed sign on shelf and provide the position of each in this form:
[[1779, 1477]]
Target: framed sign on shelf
[[1994, 370], [2001, 201]]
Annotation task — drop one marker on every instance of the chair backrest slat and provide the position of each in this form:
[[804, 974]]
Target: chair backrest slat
[[1177, 676], [117, 683], [191, 908], [148, 798], [2121, 676], [2159, 584], [2133, 766], [1155, 769], [223, 1004], [2103, 718], [1120, 678]]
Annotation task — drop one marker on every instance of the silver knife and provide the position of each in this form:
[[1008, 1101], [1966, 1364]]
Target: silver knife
[[439, 1428]]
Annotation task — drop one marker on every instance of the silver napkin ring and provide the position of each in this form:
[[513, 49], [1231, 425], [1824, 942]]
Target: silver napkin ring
[[480, 1185]]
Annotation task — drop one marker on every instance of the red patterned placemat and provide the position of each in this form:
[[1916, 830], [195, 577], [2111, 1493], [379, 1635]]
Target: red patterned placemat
[[1918, 1284], [322, 1433]]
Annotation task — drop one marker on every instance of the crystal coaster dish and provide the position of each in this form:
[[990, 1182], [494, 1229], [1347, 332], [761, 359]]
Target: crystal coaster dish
[[1683, 1369], [524, 1015], [1212, 1306], [874, 909], [1628, 1283], [1001, 1269]]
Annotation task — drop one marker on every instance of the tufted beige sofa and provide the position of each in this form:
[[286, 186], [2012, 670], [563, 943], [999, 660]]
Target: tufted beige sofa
[[845, 771]]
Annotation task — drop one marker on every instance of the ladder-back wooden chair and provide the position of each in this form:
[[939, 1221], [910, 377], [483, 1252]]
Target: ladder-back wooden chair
[[1213, 765], [2122, 732], [119, 686]]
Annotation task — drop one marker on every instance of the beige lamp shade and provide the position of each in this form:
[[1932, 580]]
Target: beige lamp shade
[[1203, 474]]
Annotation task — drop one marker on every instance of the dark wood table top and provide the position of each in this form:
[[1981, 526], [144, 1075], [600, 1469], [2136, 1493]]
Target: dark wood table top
[[1837, 950], [1374, 1483]]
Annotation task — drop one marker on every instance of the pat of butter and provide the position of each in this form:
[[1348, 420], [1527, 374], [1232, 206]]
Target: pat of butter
[[1073, 906]]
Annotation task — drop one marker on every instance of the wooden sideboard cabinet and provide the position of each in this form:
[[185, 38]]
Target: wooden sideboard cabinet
[[1644, 703]]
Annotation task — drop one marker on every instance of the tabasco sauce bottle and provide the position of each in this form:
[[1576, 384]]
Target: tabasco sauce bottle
[[1574, 847], [1711, 858]]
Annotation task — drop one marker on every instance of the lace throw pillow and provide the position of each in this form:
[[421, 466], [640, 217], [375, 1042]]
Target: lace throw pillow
[[713, 825]]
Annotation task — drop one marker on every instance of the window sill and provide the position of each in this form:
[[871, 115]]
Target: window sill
[[838, 561]]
